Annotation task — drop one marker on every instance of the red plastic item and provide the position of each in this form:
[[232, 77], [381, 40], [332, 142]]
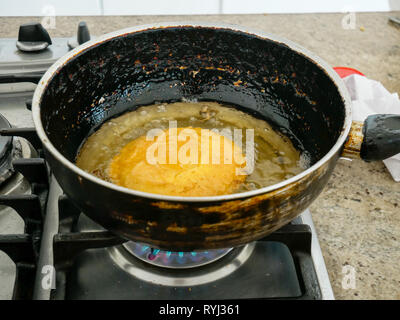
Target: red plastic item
[[343, 72]]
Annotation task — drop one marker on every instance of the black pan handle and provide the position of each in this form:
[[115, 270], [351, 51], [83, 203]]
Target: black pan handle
[[381, 137]]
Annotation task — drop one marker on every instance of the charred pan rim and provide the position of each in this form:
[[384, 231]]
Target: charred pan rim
[[44, 81]]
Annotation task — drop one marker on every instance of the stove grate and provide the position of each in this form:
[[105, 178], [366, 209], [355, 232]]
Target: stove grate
[[23, 249]]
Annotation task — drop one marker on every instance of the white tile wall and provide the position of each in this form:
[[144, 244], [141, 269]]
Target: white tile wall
[[47, 7], [307, 6], [159, 7]]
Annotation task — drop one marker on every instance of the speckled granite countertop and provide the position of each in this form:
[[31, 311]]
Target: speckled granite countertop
[[357, 217]]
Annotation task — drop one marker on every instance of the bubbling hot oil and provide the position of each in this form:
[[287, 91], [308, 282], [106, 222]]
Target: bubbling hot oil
[[275, 157]]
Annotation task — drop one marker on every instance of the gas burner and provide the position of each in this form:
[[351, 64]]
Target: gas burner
[[12, 182], [174, 260], [6, 169], [207, 272], [12, 149]]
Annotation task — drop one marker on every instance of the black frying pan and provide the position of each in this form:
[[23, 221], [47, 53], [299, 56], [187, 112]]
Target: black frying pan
[[281, 82]]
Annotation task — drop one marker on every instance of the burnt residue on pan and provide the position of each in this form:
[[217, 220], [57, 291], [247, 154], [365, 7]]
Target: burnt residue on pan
[[264, 78]]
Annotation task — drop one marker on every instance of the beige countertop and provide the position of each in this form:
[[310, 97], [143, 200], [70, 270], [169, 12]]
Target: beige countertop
[[357, 216]]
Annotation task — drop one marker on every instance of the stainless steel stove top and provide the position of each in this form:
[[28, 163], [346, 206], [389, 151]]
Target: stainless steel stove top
[[13, 98]]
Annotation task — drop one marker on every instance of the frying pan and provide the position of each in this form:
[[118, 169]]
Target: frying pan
[[281, 82]]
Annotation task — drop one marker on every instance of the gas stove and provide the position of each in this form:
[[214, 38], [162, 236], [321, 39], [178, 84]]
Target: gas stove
[[51, 250]]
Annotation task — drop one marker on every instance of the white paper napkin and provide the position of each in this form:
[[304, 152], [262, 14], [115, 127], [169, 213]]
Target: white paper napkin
[[370, 97]]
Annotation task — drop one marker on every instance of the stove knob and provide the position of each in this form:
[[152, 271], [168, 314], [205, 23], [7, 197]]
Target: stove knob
[[32, 37], [83, 35]]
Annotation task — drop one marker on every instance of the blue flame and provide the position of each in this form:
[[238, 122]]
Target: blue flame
[[175, 257]]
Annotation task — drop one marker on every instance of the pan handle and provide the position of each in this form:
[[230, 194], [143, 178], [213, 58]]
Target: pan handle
[[378, 138]]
